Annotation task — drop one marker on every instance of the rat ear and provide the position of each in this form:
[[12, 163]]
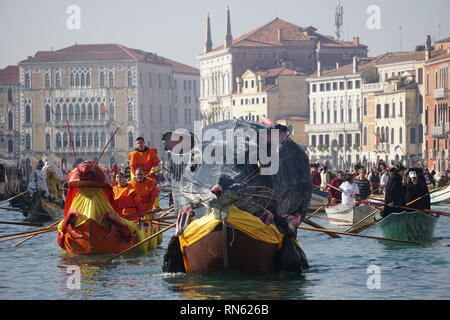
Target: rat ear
[[180, 141]]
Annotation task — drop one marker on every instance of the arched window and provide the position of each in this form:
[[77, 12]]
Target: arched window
[[365, 107], [112, 144], [387, 134], [28, 114], [10, 95], [103, 139], [10, 146], [83, 112], [10, 121], [102, 79], [130, 140], [28, 141], [400, 135], [72, 80], [111, 79], [71, 113], [77, 112], [96, 111], [420, 104], [47, 80], [58, 113], [111, 112], [420, 133], [83, 139], [383, 135], [77, 140], [89, 115], [64, 113], [130, 79], [65, 140], [47, 113], [27, 80], [102, 112], [130, 112], [349, 114], [392, 135], [96, 140], [47, 141], [58, 140], [90, 140]]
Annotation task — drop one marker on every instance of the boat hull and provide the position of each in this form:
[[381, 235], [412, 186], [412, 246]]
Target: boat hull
[[243, 253], [440, 196], [349, 215], [318, 197], [93, 241], [53, 210], [412, 226]]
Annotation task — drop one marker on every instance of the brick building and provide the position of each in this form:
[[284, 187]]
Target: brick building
[[437, 107], [9, 112]]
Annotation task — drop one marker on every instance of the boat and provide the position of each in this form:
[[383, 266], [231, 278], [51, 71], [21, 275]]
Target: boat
[[319, 197], [440, 196], [9, 183], [251, 246], [348, 215], [409, 225]]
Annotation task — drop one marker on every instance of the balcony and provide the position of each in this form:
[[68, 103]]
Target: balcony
[[440, 130], [373, 87], [327, 127], [441, 93]]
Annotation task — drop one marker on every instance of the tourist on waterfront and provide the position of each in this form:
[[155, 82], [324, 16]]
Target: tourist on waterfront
[[146, 190], [317, 181], [384, 180], [145, 158], [325, 178], [395, 193], [336, 195], [381, 166], [416, 187], [374, 179], [363, 184], [125, 198], [349, 190]]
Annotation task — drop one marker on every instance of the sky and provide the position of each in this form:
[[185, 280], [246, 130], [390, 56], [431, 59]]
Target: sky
[[176, 29]]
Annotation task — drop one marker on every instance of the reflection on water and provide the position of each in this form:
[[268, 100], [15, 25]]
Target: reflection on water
[[37, 269]]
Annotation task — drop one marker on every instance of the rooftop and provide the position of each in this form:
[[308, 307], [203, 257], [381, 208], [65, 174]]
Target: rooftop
[[10, 75]]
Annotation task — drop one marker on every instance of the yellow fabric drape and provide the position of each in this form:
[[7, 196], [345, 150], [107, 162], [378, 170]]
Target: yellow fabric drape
[[241, 220], [92, 203]]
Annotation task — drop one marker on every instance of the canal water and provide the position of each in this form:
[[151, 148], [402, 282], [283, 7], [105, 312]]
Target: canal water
[[345, 268]]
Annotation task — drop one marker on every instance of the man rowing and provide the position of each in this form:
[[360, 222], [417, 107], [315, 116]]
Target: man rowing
[[125, 197], [146, 190]]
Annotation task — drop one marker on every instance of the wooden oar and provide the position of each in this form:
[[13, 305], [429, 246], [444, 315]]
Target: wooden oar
[[425, 210], [24, 232], [356, 235], [16, 196], [141, 242], [315, 225], [28, 234], [320, 208], [23, 223], [332, 219], [24, 211], [32, 236]]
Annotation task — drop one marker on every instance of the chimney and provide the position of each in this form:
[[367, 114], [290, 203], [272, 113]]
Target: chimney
[[355, 64], [280, 34], [239, 84], [208, 44], [427, 47], [319, 70], [228, 36], [356, 41]]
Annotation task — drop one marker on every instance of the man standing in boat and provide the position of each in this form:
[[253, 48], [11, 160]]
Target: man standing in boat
[[145, 158], [395, 195], [416, 187], [363, 185], [349, 190], [336, 195], [125, 198]]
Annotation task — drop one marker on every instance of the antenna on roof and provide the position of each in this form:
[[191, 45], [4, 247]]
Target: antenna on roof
[[338, 19]]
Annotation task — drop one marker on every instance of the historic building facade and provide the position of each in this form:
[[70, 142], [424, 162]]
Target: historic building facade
[[97, 89], [266, 47], [437, 106], [9, 113]]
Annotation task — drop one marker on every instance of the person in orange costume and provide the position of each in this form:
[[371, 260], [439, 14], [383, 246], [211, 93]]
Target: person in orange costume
[[145, 158], [146, 190], [125, 198]]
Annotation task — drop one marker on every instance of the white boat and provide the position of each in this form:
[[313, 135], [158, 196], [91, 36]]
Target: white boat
[[440, 196], [348, 215]]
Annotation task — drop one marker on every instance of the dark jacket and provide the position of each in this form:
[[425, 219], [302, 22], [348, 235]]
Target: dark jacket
[[414, 191], [395, 192]]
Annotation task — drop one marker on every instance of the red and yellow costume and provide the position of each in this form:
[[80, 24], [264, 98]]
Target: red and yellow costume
[[147, 192], [146, 159], [126, 201]]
